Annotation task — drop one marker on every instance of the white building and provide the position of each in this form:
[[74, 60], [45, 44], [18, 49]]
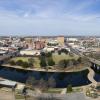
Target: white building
[[72, 39], [48, 49], [29, 52]]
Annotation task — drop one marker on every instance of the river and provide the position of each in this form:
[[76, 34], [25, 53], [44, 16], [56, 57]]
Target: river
[[62, 78]]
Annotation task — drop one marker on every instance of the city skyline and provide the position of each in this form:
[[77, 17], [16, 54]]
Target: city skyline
[[49, 17]]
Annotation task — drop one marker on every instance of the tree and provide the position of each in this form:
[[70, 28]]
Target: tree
[[43, 54], [69, 88], [31, 60], [63, 63], [64, 51], [71, 54], [85, 61], [51, 62], [25, 93], [30, 65], [48, 54], [51, 82], [50, 44], [25, 65], [59, 52], [43, 62], [75, 62], [70, 63], [79, 60], [19, 63], [12, 62]]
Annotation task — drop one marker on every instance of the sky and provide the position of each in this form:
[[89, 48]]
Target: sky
[[49, 17]]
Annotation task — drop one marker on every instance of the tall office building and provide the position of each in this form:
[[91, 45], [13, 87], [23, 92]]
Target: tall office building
[[60, 40]]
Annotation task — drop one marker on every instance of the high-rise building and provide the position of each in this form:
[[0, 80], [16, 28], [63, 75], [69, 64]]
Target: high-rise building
[[60, 40], [29, 42]]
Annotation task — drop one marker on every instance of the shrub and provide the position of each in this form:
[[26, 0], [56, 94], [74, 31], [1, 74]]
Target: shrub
[[79, 60], [19, 63], [31, 60], [30, 65], [59, 52], [25, 64], [43, 54], [69, 88], [64, 51], [49, 54], [63, 63], [12, 62]]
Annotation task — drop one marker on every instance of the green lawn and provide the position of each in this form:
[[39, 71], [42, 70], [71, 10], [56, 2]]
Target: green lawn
[[57, 57], [25, 59], [36, 62]]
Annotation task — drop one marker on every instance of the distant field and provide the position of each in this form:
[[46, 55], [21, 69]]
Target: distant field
[[56, 58]]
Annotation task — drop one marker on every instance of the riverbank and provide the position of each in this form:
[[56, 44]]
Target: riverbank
[[74, 69], [62, 79]]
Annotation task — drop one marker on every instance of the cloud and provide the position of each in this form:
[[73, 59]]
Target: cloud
[[48, 17]]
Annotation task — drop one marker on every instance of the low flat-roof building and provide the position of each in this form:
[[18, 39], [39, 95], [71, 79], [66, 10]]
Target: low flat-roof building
[[7, 83], [29, 52]]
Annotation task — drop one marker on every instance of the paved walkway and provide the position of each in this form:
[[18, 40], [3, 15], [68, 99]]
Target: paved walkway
[[90, 77]]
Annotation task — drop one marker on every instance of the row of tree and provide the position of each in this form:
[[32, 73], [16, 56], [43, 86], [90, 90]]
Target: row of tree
[[69, 62], [62, 63], [46, 59], [52, 44], [24, 64], [46, 62], [46, 54], [63, 51]]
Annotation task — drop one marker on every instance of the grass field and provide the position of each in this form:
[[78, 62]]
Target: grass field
[[21, 58], [36, 62], [56, 58], [25, 59]]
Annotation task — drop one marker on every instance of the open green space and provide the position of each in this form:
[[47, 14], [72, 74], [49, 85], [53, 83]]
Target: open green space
[[25, 59], [57, 57]]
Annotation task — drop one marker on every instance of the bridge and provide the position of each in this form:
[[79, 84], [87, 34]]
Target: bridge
[[96, 63]]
